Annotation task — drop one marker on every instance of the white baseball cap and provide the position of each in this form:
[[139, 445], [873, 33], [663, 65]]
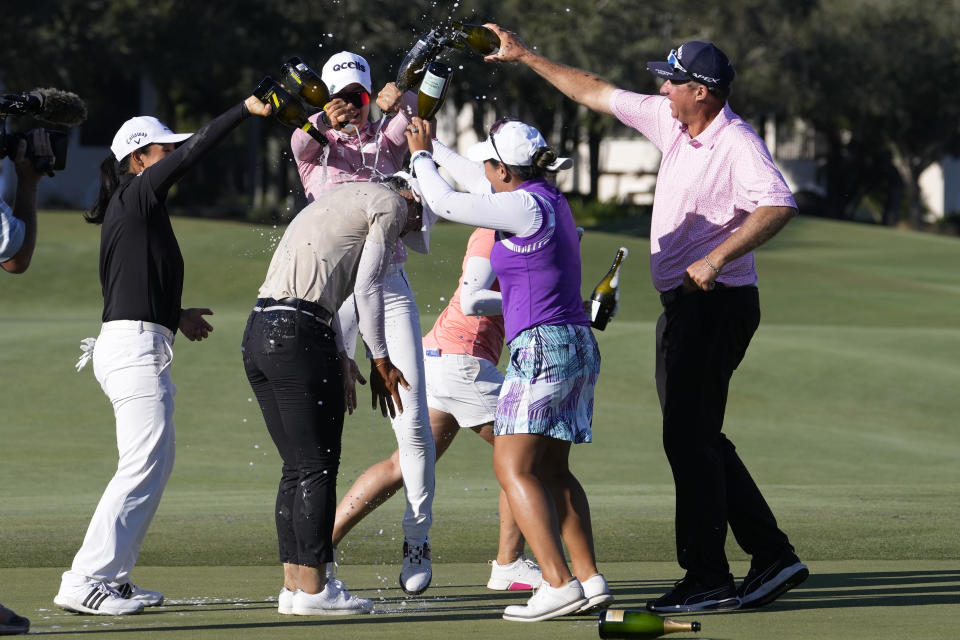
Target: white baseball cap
[[344, 69], [140, 131], [514, 143]]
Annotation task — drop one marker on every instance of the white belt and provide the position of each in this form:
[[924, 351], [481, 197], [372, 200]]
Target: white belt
[[283, 307], [139, 325]]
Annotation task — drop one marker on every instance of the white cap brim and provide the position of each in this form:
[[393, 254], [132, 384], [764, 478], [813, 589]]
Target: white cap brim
[[560, 163], [482, 151]]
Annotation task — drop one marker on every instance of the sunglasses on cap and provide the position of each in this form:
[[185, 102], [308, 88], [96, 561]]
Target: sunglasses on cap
[[357, 97], [496, 126], [675, 61]]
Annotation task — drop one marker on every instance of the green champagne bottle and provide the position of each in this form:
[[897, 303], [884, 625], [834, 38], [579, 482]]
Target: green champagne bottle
[[286, 108], [300, 79], [606, 295], [477, 37], [433, 89], [414, 65], [620, 623]]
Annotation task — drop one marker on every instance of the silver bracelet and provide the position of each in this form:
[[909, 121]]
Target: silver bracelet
[[710, 264]]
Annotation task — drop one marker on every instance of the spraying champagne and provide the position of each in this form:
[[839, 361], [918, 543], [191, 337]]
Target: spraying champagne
[[414, 65], [619, 623], [606, 295], [477, 37], [286, 108], [433, 89], [300, 79]]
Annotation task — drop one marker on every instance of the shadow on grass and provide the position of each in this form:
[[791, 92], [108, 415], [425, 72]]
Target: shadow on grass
[[819, 591], [830, 591], [877, 589]]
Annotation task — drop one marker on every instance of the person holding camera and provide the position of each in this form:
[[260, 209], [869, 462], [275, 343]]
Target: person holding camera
[[141, 273], [18, 226], [18, 238]]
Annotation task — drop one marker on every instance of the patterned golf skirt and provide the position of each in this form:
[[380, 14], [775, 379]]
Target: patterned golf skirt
[[548, 389]]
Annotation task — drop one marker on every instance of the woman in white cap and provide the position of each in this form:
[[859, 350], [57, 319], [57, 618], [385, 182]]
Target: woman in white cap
[[546, 402], [141, 274], [360, 151]]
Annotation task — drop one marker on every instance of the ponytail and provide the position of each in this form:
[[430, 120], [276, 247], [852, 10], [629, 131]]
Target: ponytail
[[110, 172], [538, 167]]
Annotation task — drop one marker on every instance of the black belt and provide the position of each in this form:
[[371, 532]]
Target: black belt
[[667, 298], [305, 306]]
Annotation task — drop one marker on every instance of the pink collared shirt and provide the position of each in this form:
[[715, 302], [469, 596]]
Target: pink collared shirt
[[353, 158], [706, 186]]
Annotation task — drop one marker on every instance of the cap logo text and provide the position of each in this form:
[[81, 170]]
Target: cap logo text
[[349, 65]]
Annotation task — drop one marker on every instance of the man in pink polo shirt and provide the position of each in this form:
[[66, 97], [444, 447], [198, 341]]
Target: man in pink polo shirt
[[719, 196]]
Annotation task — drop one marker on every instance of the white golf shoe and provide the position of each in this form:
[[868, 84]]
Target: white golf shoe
[[96, 598], [285, 602], [548, 602], [416, 572], [597, 593], [130, 591], [522, 574], [334, 600]]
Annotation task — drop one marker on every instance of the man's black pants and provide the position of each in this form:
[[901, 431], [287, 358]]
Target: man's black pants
[[292, 364], [701, 338]]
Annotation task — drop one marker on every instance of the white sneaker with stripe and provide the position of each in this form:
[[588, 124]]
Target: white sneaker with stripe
[[96, 598], [130, 591]]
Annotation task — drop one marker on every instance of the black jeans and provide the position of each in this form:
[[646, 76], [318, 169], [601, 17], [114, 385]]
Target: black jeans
[[293, 366], [701, 338]]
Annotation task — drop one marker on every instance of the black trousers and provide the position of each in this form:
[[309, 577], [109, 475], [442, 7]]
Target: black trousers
[[293, 366], [701, 339]]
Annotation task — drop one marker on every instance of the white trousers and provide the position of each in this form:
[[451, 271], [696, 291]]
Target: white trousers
[[131, 361], [418, 455]]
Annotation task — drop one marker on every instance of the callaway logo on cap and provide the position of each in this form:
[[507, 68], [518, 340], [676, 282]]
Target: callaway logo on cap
[[139, 132]]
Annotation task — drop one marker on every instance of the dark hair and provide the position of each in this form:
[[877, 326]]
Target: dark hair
[[721, 93], [397, 183], [542, 159], [110, 172]]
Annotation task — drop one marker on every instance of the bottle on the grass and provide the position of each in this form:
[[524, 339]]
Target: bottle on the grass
[[606, 295], [624, 623]]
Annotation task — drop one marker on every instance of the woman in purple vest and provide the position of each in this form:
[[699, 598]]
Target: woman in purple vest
[[546, 402]]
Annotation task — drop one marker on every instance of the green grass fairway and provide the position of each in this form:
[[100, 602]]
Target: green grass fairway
[[844, 410], [852, 600]]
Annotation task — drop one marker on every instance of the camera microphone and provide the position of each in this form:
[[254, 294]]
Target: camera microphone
[[50, 105], [61, 107]]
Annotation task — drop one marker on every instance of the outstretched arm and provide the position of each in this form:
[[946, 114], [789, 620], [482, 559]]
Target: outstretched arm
[[581, 86]]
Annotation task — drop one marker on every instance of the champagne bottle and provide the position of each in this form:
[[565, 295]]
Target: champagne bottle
[[620, 623], [286, 108], [433, 89], [428, 47], [301, 80], [477, 37], [606, 295]]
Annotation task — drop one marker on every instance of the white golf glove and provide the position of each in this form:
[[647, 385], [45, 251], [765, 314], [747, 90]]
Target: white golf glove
[[86, 347]]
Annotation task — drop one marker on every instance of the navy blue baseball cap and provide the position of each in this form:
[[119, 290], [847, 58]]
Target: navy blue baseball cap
[[697, 61]]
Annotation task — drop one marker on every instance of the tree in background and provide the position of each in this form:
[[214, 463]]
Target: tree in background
[[874, 77]]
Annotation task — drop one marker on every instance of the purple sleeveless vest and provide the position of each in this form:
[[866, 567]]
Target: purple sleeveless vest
[[540, 274]]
